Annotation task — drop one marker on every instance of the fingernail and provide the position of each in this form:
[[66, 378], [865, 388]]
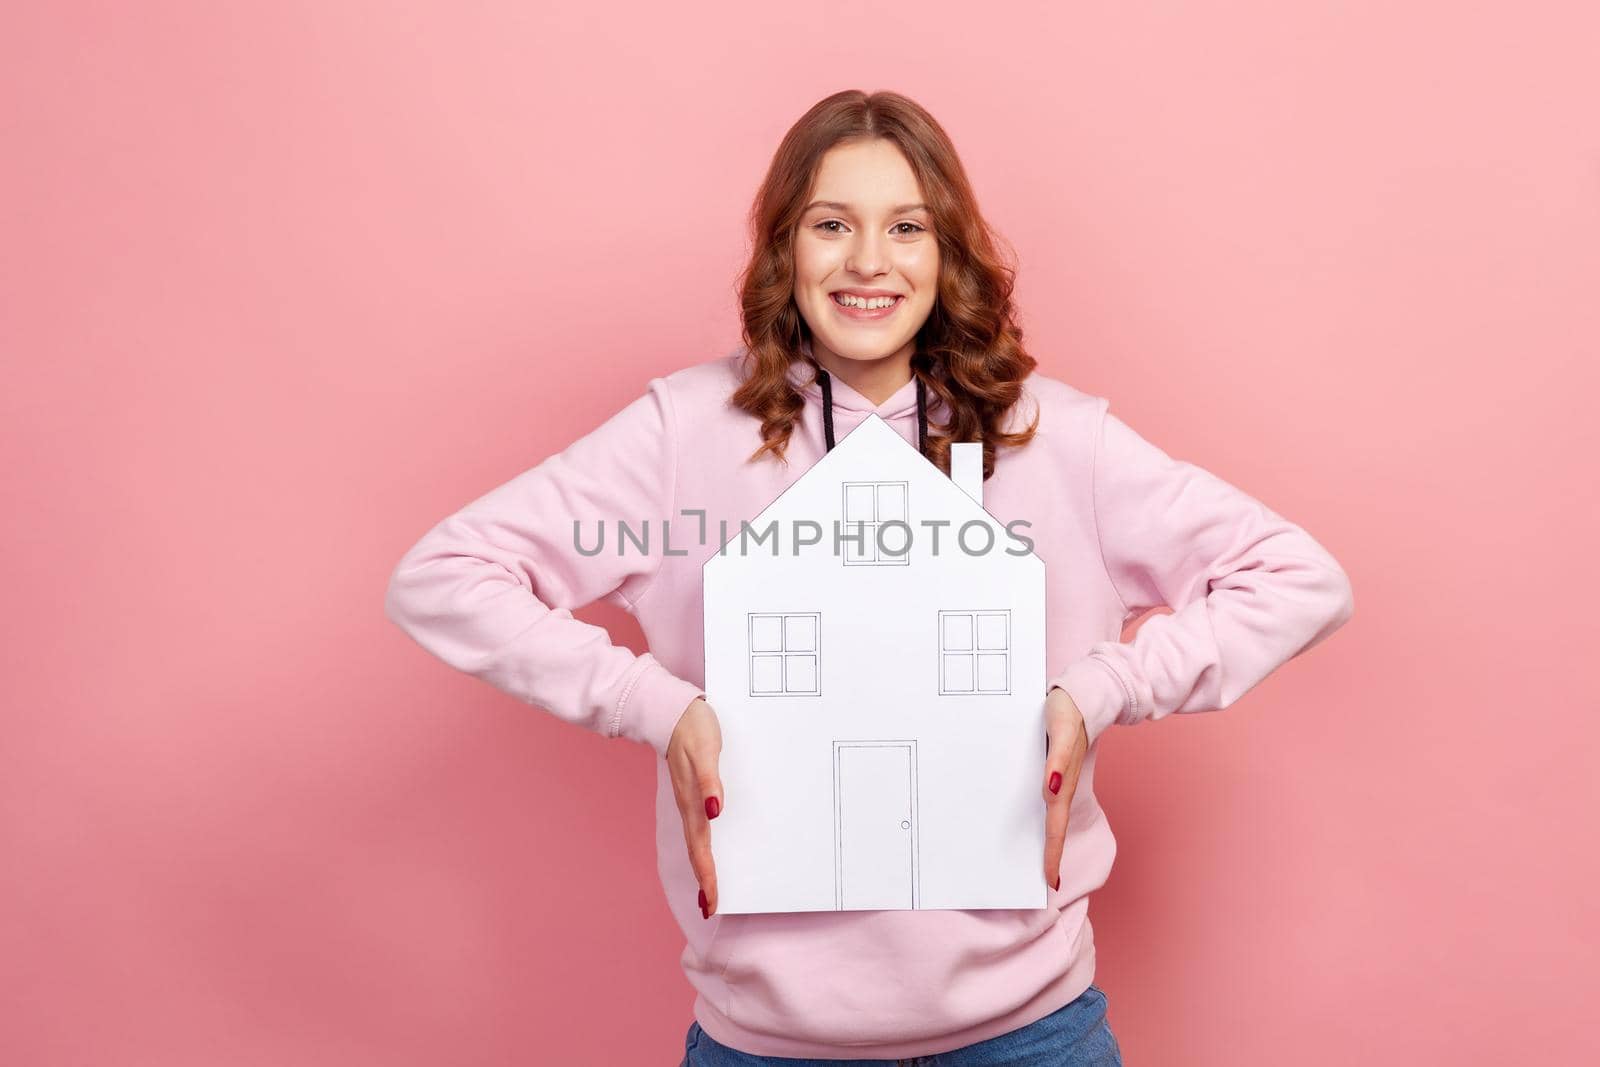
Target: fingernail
[[1057, 886], [704, 914], [1055, 781], [713, 805]]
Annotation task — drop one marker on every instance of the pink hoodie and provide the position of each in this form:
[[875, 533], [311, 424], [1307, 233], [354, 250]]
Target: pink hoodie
[[1121, 527]]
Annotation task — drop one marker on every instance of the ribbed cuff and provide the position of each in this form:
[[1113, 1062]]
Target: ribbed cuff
[[1097, 691], [653, 705]]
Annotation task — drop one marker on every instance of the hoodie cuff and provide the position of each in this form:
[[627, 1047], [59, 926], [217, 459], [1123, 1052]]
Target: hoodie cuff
[[649, 711], [1097, 691]]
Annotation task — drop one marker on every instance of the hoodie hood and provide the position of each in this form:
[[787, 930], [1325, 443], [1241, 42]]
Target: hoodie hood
[[902, 405]]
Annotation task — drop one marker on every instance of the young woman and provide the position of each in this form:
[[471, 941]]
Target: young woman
[[874, 287]]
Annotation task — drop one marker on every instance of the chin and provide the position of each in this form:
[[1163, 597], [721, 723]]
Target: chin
[[861, 349]]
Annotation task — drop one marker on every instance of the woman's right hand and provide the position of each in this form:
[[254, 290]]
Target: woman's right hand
[[692, 753]]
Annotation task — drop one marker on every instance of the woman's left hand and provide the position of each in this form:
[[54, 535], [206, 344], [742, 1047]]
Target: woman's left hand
[[1066, 743]]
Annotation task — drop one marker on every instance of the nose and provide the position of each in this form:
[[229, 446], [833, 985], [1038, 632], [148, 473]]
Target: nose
[[868, 254]]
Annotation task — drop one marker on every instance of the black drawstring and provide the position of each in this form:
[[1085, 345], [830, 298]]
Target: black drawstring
[[827, 411], [922, 418], [827, 406]]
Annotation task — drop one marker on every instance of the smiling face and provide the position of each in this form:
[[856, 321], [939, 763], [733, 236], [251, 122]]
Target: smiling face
[[864, 240]]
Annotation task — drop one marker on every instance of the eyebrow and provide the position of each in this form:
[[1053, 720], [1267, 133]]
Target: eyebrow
[[837, 206]]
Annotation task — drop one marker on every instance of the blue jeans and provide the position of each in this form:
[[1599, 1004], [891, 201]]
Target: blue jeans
[[1075, 1035]]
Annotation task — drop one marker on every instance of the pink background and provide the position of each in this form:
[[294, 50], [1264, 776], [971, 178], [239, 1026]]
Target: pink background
[[284, 284]]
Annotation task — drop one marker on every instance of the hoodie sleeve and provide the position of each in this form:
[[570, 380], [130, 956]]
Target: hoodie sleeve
[[1248, 589], [490, 590]]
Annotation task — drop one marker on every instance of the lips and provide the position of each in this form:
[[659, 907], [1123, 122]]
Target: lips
[[855, 314]]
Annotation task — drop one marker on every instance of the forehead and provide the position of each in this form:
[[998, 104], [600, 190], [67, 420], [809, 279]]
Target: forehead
[[866, 175]]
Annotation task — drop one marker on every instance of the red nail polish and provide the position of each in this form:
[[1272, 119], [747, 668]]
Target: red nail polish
[[704, 914], [713, 806], [1055, 781], [1057, 886]]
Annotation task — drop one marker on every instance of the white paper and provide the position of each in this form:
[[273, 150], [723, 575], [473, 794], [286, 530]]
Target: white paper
[[882, 708]]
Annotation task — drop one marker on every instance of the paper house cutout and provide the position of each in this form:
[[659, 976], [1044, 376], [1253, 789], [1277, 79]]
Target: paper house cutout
[[875, 654]]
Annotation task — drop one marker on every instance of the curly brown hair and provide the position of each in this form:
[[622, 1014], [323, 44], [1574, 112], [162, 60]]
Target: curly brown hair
[[969, 352]]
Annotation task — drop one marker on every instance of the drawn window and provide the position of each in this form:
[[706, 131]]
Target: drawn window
[[974, 651], [784, 650], [867, 505]]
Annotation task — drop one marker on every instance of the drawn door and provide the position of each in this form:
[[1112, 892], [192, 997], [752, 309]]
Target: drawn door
[[875, 824]]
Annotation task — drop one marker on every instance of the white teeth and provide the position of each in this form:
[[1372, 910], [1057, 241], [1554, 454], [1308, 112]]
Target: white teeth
[[850, 301]]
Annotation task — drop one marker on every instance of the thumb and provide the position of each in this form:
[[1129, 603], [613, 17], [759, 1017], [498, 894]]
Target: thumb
[[710, 782]]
